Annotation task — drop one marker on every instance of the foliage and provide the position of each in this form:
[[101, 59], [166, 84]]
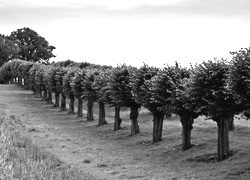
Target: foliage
[[120, 89], [141, 86], [240, 76], [68, 79], [59, 79], [50, 79], [76, 83], [100, 84], [8, 49], [67, 63], [88, 92], [33, 47], [6, 73], [210, 89]]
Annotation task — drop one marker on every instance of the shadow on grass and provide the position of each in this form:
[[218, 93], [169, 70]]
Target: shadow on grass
[[210, 157]]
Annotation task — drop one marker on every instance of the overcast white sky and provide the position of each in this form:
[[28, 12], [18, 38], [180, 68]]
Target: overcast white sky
[[114, 32]]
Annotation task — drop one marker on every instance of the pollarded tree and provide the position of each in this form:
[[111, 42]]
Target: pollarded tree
[[15, 63], [5, 73], [67, 88], [214, 98], [182, 103], [121, 93], [32, 78], [88, 92], [100, 87], [59, 86], [32, 46], [240, 77], [51, 85], [24, 72], [145, 92], [76, 86], [39, 81]]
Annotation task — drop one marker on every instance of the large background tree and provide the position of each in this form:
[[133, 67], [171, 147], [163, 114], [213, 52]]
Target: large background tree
[[33, 47], [8, 49]]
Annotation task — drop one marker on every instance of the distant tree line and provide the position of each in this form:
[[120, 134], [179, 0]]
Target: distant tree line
[[218, 89]]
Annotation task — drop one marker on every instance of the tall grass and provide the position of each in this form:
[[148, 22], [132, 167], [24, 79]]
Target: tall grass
[[21, 159]]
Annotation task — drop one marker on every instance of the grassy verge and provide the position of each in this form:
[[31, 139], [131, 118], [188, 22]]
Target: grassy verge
[[21, 159]]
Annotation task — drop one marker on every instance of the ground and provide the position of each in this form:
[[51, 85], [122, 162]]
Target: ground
[[109, 154]]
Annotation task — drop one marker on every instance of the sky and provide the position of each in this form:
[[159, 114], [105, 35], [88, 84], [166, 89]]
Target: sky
[[113, 32]]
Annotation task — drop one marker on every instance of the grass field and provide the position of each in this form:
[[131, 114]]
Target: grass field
[[68, 147]]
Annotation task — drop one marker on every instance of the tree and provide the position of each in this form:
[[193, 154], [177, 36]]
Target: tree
[[59, 86], [100, 87], [182, 103], [32, 46], [8, 49], [67, 88], [121, 94], [145, 93], [6, 73], [240, 78], [214, 98], [76, 86], [24, 73], [51, 85]]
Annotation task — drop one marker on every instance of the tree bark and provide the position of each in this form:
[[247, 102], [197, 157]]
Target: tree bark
[[71, 105], [223, 138], [49, 99], [158, 125], [187, 121], [90, 116], [57, 99], [45, 94], [19, 80], [134, 112], [40, 93], [63, 102], [231, 123], [102, 120], [118, 119], [79, 108]]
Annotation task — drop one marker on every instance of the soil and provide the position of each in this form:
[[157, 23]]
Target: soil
[[109, 154]]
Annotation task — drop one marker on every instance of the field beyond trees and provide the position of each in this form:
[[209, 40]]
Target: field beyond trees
[[109, 154]]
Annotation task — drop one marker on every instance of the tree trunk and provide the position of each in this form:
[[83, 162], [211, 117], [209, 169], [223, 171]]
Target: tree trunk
[[102, 114], [90, 116], [158, 124], [40, 93], [231, 123], [63, 102], [187, 126], [19, 79], [134, 122], [45, 94], [57, 99], [49, 99], [223, 138], [118, 119], [79, 108], [71, 105]]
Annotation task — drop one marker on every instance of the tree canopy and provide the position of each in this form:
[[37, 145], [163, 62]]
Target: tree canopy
[[33, 47], [8, 49]]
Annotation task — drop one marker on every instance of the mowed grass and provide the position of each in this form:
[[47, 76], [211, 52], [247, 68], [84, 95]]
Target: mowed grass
[[21, 159]]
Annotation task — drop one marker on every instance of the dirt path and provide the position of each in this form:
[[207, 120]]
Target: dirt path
[[116, 155]]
